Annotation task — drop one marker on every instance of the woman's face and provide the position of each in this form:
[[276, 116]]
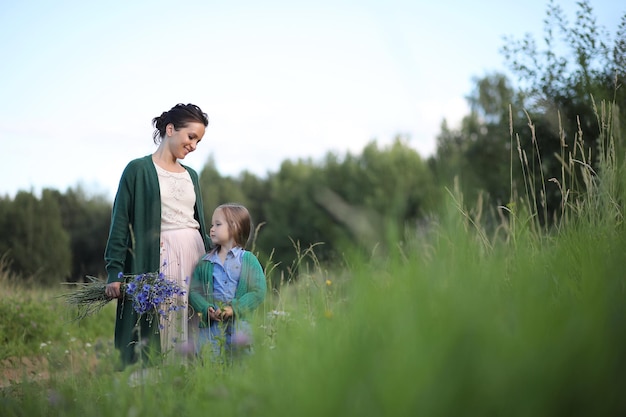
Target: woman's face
[[184, 140]]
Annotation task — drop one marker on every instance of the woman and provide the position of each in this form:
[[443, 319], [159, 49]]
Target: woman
[[157, 224]]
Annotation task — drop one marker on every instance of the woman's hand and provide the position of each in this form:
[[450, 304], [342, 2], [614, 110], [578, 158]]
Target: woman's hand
[[112, 290]]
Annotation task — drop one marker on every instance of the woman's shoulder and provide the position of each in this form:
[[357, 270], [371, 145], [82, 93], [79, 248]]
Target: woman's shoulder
[[139, 164]]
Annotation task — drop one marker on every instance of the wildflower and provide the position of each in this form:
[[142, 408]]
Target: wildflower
[[186, 348], [328, 282], [150, 293], [241, 339], [54, 398], [277, 313]]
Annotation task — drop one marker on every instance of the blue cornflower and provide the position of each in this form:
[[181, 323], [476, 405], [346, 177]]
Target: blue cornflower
[[153, 293]]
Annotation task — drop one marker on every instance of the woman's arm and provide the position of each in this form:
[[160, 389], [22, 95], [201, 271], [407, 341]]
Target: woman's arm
[[119, 231]]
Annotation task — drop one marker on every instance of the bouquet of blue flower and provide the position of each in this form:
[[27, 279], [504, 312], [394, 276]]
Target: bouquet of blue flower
[[151, 293]]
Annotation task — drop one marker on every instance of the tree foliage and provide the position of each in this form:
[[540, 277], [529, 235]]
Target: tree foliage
[[357, 200], [55, 238], [218, 190], [519, 135], [37, 244], [86, 219], [566, 81], [481, 152]]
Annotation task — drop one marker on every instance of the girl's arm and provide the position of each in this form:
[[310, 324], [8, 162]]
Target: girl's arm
[[252, 277]]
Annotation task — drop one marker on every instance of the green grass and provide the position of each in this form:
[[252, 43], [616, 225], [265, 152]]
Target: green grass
[[522, 332], [449, 324], [36, 319]]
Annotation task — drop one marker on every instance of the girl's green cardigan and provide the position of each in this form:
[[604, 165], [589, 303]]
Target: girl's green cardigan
[[249, 294]]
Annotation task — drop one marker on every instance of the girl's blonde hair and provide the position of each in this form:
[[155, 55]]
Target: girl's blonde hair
[[239, 222]]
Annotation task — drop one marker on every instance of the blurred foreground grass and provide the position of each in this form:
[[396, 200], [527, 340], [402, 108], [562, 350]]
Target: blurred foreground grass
[[449, 323], [530, 330]]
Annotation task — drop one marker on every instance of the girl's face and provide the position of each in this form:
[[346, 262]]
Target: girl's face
[[220, 233], [184, 140]]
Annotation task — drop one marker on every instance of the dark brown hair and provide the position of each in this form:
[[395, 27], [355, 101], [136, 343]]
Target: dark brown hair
[[179, 115]]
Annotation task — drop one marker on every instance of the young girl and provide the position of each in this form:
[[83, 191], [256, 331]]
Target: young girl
[[228, 282]]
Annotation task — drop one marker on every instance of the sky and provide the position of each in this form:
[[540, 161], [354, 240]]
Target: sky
[[80, 81]]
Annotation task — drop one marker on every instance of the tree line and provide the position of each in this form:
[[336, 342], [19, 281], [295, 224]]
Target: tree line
[[61, 236], [521, 134]]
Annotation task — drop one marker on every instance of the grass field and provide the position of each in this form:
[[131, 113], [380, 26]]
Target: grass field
[[451, 323], [537, 329]]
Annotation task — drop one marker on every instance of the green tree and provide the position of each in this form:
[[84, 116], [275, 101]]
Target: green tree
[[39, 246], [291, 216], [481, 154], [218, 190], [386, 189], [564, 84], [5, 226], [86, 219], [515, 139], [256, 192], [358, 200], [246, 189]]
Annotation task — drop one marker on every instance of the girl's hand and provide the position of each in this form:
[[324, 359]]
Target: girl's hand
[[112, 290], [227, 313], [214, 314]]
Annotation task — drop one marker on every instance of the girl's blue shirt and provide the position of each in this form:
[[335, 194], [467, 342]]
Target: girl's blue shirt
[[226, 276]]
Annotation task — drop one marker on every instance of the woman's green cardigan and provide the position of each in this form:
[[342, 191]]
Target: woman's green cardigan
[[249, 294], [133, 246]]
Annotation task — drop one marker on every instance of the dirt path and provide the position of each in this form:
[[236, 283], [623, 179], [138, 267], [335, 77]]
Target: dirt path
[[19, 369], [16, 369]]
